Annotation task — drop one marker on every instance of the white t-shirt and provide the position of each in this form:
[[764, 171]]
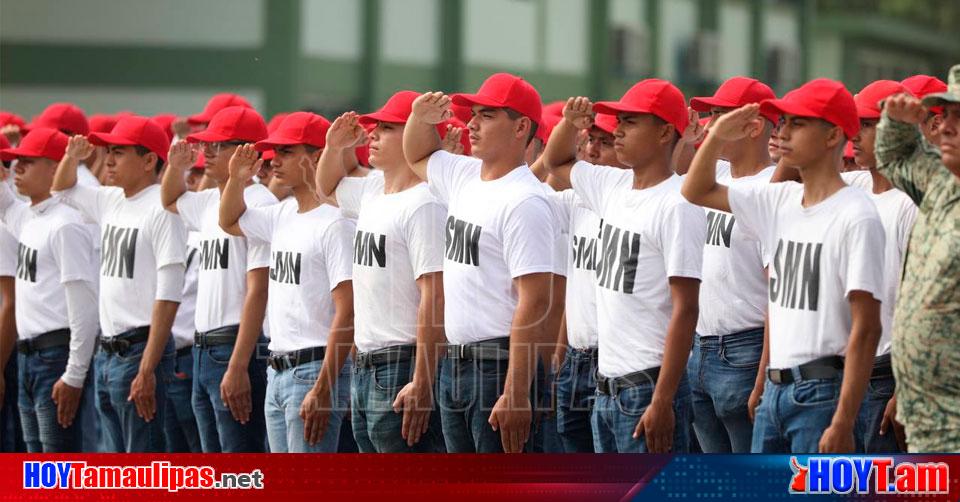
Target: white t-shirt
[[647, 237], [8, 253], [733, 295], [398, 240], [54, 247], [86, 178], [138, 237], [311, 253], [561, 225], [897, 214], [819, 255], [224, 259], [495, 231], [583, 255], [184, 323]]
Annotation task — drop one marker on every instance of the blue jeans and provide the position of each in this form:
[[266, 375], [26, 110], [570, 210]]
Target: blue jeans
[[219, 432], [879, 392], [723, 371], [545, 438], [615, 419], [180, 425], [123, 430], [576, 391], [285, 392], [39, 372], [468, 391], [11, 434], [791, 417], [376, 427]]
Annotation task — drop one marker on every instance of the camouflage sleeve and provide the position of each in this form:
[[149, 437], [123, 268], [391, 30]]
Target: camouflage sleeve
[[904, 157]]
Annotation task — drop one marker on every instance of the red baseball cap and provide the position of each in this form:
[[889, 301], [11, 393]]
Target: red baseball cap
[[363, 155], [821, 98], [464, 136], [653, 96], [166, 121], [736, 92], [272, 126], [605, 122], [102, 123], [554, 109], [39, 142], [218, 102], [11, 118], [547, 123], [201, 162], [298, 128], [848, 150], [464, 113], [65, 117], [135, 130], [921, 85], [395, 110], [4, 144], [503, 90], [869, 98], [234, 123]]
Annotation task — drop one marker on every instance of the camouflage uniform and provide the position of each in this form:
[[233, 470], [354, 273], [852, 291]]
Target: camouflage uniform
[[926, 331]]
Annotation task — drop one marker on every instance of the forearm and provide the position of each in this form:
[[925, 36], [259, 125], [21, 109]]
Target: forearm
[[66, 175], [164, 312], [701, 180], [682, 157], [420, 139], [232, 205], [429, 339], [251, 319], [761, 380], [83, 316], [858, 366], [676, 352], [561, 149], [8, 321], [339, 344], [330, 170], [173, 185], [526, 334]]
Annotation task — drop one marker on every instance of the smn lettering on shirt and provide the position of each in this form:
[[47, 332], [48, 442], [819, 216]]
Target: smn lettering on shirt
[[119, 245], [796, 281], [463, 242]]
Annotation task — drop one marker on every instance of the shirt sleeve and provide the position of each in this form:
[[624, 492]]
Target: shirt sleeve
[[754, 206], [447, 171], [90, 201], [258, 222], [350, 193], [422, 233], [529, 235], [682, 236], [84, 325], [11, 210], [72, 245], [594, 183], [168, 238], [336, 245], [258, 254], [8, 253], [861, 258], [904, 157], [170, 280], [191, 206]]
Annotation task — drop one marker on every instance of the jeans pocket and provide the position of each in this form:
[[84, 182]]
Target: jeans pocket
[[133, 353], [634, 401], [815, 392], [307, 374], [390, 378], [745, 354], [220, 354], [54, 355], [881, 388]]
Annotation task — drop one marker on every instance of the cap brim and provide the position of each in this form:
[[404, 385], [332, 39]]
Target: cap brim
[[616, 108], [786, 107], [475, 99], [373, 118], [865, 112], [206, 137], [939, 99], [15, 153], [105, 138], [275, 141], [705, 104], [199, 118], [268, 154]]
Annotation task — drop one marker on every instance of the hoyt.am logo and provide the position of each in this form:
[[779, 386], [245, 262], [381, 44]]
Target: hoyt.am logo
[[880, 475]]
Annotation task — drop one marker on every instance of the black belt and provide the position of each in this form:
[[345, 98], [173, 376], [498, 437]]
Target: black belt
[[495, 349], [823, 368], [48, 340], [612, 386], [220, 336], [591, 352], [882, 367], [123, 341], [385, 356], [281, 361], [182, 351]]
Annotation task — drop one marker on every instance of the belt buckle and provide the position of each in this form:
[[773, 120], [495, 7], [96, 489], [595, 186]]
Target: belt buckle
[[776, 376]]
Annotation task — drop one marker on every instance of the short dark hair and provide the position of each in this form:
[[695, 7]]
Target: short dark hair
[[514, 115], [142, 150]]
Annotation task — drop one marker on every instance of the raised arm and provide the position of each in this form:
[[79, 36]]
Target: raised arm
[[78, 148], [901, 153], [182, 156], [243, 165], [700, 186], [420, 136], [560, 152], [344, 135]]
